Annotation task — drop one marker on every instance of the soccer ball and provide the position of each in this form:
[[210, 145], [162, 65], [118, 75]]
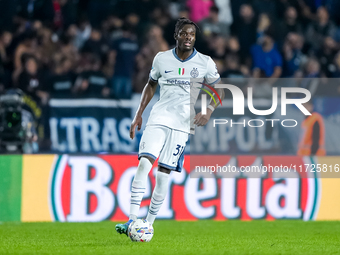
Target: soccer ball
[[140, 231]]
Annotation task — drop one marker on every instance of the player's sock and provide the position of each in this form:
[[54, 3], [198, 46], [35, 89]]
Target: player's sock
[[133, 217], [158, 196], [138, 186]]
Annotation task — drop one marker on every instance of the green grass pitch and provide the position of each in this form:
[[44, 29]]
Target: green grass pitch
[[171, 237]]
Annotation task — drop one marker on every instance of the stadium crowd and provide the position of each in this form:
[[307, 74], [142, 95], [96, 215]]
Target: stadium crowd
[[105, 48]]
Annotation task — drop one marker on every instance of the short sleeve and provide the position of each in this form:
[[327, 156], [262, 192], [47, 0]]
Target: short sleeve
[[212, 76], [155, 73]]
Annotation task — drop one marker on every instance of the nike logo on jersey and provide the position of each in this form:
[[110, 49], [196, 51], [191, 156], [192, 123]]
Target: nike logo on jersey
[[168, 71]]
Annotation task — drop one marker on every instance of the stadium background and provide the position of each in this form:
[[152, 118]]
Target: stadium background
[[83, 65]]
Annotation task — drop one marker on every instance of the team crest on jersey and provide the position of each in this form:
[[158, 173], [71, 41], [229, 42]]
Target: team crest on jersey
[[194, 73]]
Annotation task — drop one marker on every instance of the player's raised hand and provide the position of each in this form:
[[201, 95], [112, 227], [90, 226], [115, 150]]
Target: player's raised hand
[[137, 122], [202, 120]]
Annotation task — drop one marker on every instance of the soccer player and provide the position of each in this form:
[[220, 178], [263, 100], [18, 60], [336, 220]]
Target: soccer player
[[168, 127]]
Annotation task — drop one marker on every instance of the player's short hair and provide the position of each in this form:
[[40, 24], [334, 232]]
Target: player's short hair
[[184, 21]]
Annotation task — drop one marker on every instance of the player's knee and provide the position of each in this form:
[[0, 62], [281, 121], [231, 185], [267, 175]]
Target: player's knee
[[149, 158], [164, 170]]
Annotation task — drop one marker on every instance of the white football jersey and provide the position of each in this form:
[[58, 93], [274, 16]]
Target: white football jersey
[[175, 78]]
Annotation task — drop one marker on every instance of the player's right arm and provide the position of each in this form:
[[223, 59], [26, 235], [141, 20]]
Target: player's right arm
[[148, 92]]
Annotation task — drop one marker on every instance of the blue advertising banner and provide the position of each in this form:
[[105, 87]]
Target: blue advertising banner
[[90, 125]]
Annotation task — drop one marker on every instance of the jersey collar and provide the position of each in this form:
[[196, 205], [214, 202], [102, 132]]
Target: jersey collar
[[190, 57]]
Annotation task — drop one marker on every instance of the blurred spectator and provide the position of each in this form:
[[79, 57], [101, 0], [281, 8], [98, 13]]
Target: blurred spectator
[[211, 25], [336, 72], [28, 45], [293, 57], [225, 14], [290, 23], [311, 71], [236, 7], [62, 80], [5, 60], [96, 44], [312, 141], [326, 55], [162, 19], [92, 83], [47, 45], [114, 25], [307, 15], [233, 46], [30, 81], [199, 9], [5, 41], [265, 23], [233, 71], [333, 7], [3, 54], [219, 65], [218, 48], [245, 29], [153, 44], [156, 40], [68, 50], [138, 28], [79, 35], [123, 54], [312, 68], [266, 58], [319, 29], [143, 65]]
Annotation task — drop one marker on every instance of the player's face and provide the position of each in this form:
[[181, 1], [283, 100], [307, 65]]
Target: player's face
[[186, 38]]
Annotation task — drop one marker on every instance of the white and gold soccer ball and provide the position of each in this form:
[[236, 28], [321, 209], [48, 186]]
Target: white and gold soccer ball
[[140, 231]]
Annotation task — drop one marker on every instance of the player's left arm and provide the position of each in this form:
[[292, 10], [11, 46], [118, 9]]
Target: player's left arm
[[212, 77], [202, 120]]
